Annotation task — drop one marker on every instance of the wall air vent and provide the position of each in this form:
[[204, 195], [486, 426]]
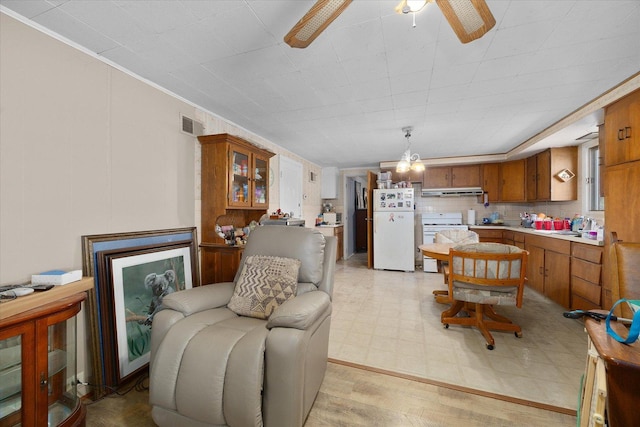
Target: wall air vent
[[190, 126]]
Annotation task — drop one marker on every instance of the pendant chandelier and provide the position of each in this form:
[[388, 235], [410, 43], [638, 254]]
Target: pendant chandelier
[[409, 161]]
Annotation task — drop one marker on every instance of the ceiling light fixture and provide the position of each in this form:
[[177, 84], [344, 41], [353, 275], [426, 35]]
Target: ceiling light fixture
[[409, 161], [314, 22], [413, 6]]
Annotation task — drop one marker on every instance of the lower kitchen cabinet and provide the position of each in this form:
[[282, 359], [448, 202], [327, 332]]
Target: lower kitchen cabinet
[[489, 235], [38, 368], [549, 267], [337, 231], [219, 262], [586, 276]]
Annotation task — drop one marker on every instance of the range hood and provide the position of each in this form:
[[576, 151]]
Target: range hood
[[452, 192]]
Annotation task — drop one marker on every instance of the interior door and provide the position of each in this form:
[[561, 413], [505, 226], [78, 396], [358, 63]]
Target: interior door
[[372, 184], [291, 186]]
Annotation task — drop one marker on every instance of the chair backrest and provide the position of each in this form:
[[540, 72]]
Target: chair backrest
[[494, 266], [624, 258], [456, 236], [316, 253]]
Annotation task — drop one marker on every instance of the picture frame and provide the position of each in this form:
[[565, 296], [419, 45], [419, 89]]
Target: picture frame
[[92, 245], [134, 283]]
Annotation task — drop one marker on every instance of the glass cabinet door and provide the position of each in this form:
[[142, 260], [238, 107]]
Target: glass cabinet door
[[61, 380], [38, 370], [260, 182], [239, 178], [11, 390]]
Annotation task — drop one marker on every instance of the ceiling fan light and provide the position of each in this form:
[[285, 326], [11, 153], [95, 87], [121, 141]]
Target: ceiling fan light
[[415, 5], [321, 14], [469, 19]]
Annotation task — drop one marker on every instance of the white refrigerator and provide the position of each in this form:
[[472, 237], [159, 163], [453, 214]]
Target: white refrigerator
[[393, 229]]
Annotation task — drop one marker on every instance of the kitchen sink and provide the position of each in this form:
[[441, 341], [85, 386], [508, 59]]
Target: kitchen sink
[[561, 232]]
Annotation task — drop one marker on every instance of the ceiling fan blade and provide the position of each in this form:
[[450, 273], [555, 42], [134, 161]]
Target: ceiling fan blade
[[314, 22], [469, 19]]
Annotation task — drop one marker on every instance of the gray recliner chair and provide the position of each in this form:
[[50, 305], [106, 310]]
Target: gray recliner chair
[[211, 366]]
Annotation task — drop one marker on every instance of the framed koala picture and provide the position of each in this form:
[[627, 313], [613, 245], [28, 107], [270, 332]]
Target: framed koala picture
[[134, 283], [132, 272]]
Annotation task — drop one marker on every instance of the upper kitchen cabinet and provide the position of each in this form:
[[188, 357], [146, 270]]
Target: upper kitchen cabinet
[[512, 181], [622, 130], [553, 175], [451, 176], [329, 187], [409, 176], [491, 180]]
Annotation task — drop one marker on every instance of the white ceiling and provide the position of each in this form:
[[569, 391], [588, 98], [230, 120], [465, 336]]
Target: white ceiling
[[344, 100]]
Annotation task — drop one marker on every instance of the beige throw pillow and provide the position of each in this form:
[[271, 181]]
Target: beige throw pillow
[[265, 282]]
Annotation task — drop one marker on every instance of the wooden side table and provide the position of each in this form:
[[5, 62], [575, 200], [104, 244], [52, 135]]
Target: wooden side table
[[612, 379]]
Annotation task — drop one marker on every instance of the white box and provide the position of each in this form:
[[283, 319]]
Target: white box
[[56, 277]]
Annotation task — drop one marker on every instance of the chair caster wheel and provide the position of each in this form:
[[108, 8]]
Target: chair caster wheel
[[446, 325], [489, 347], [518, 334]]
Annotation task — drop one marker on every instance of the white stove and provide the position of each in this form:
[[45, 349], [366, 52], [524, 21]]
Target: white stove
[[431, 224]]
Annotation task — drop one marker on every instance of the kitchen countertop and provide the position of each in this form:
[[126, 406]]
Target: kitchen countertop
[[546, 233]]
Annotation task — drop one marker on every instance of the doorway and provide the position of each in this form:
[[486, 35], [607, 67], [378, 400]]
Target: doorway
[[355, 203], [291, 186]]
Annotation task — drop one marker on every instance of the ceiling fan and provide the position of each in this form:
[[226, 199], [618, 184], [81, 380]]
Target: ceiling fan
[[469, 19]]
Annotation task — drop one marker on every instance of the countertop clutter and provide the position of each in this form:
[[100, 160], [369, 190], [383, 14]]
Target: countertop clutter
[[546, 233]]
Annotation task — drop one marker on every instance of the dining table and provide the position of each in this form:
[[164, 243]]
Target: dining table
[[439, 251]]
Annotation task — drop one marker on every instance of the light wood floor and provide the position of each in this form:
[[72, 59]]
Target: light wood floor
[[355, 397]]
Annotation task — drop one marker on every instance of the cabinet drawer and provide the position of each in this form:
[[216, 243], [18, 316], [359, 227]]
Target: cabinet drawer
[[579, 303], [586, 270], [518, 237], [586, 252], [549, 243], [586, 290]]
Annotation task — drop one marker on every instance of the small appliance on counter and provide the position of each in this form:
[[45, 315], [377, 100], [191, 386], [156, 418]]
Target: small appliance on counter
[[332, 218]]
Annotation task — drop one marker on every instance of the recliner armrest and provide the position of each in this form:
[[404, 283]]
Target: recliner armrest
[[301, 312], [200, 298]]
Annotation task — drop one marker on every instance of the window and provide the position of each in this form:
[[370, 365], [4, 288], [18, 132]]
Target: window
[[594, 201]]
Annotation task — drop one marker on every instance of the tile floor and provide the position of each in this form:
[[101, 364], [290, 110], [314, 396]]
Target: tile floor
[[389, 320]]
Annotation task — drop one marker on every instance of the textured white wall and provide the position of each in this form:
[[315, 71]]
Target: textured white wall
[[85, 149]]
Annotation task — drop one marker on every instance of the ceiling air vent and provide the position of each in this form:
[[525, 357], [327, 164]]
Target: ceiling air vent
[[191, 127]]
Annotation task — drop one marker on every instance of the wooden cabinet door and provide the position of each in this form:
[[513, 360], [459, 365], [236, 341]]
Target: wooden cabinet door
[[491, 180], [437, 177], [622, 130], [543, 174], [409, 176], [535, 268], [465, 176], [219, 263], [513, 181], [632, 134], [557, 281], [340, 237], [532, 179]]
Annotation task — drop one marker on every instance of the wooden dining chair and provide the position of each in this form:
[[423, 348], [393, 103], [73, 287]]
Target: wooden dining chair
[[481, 276]]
